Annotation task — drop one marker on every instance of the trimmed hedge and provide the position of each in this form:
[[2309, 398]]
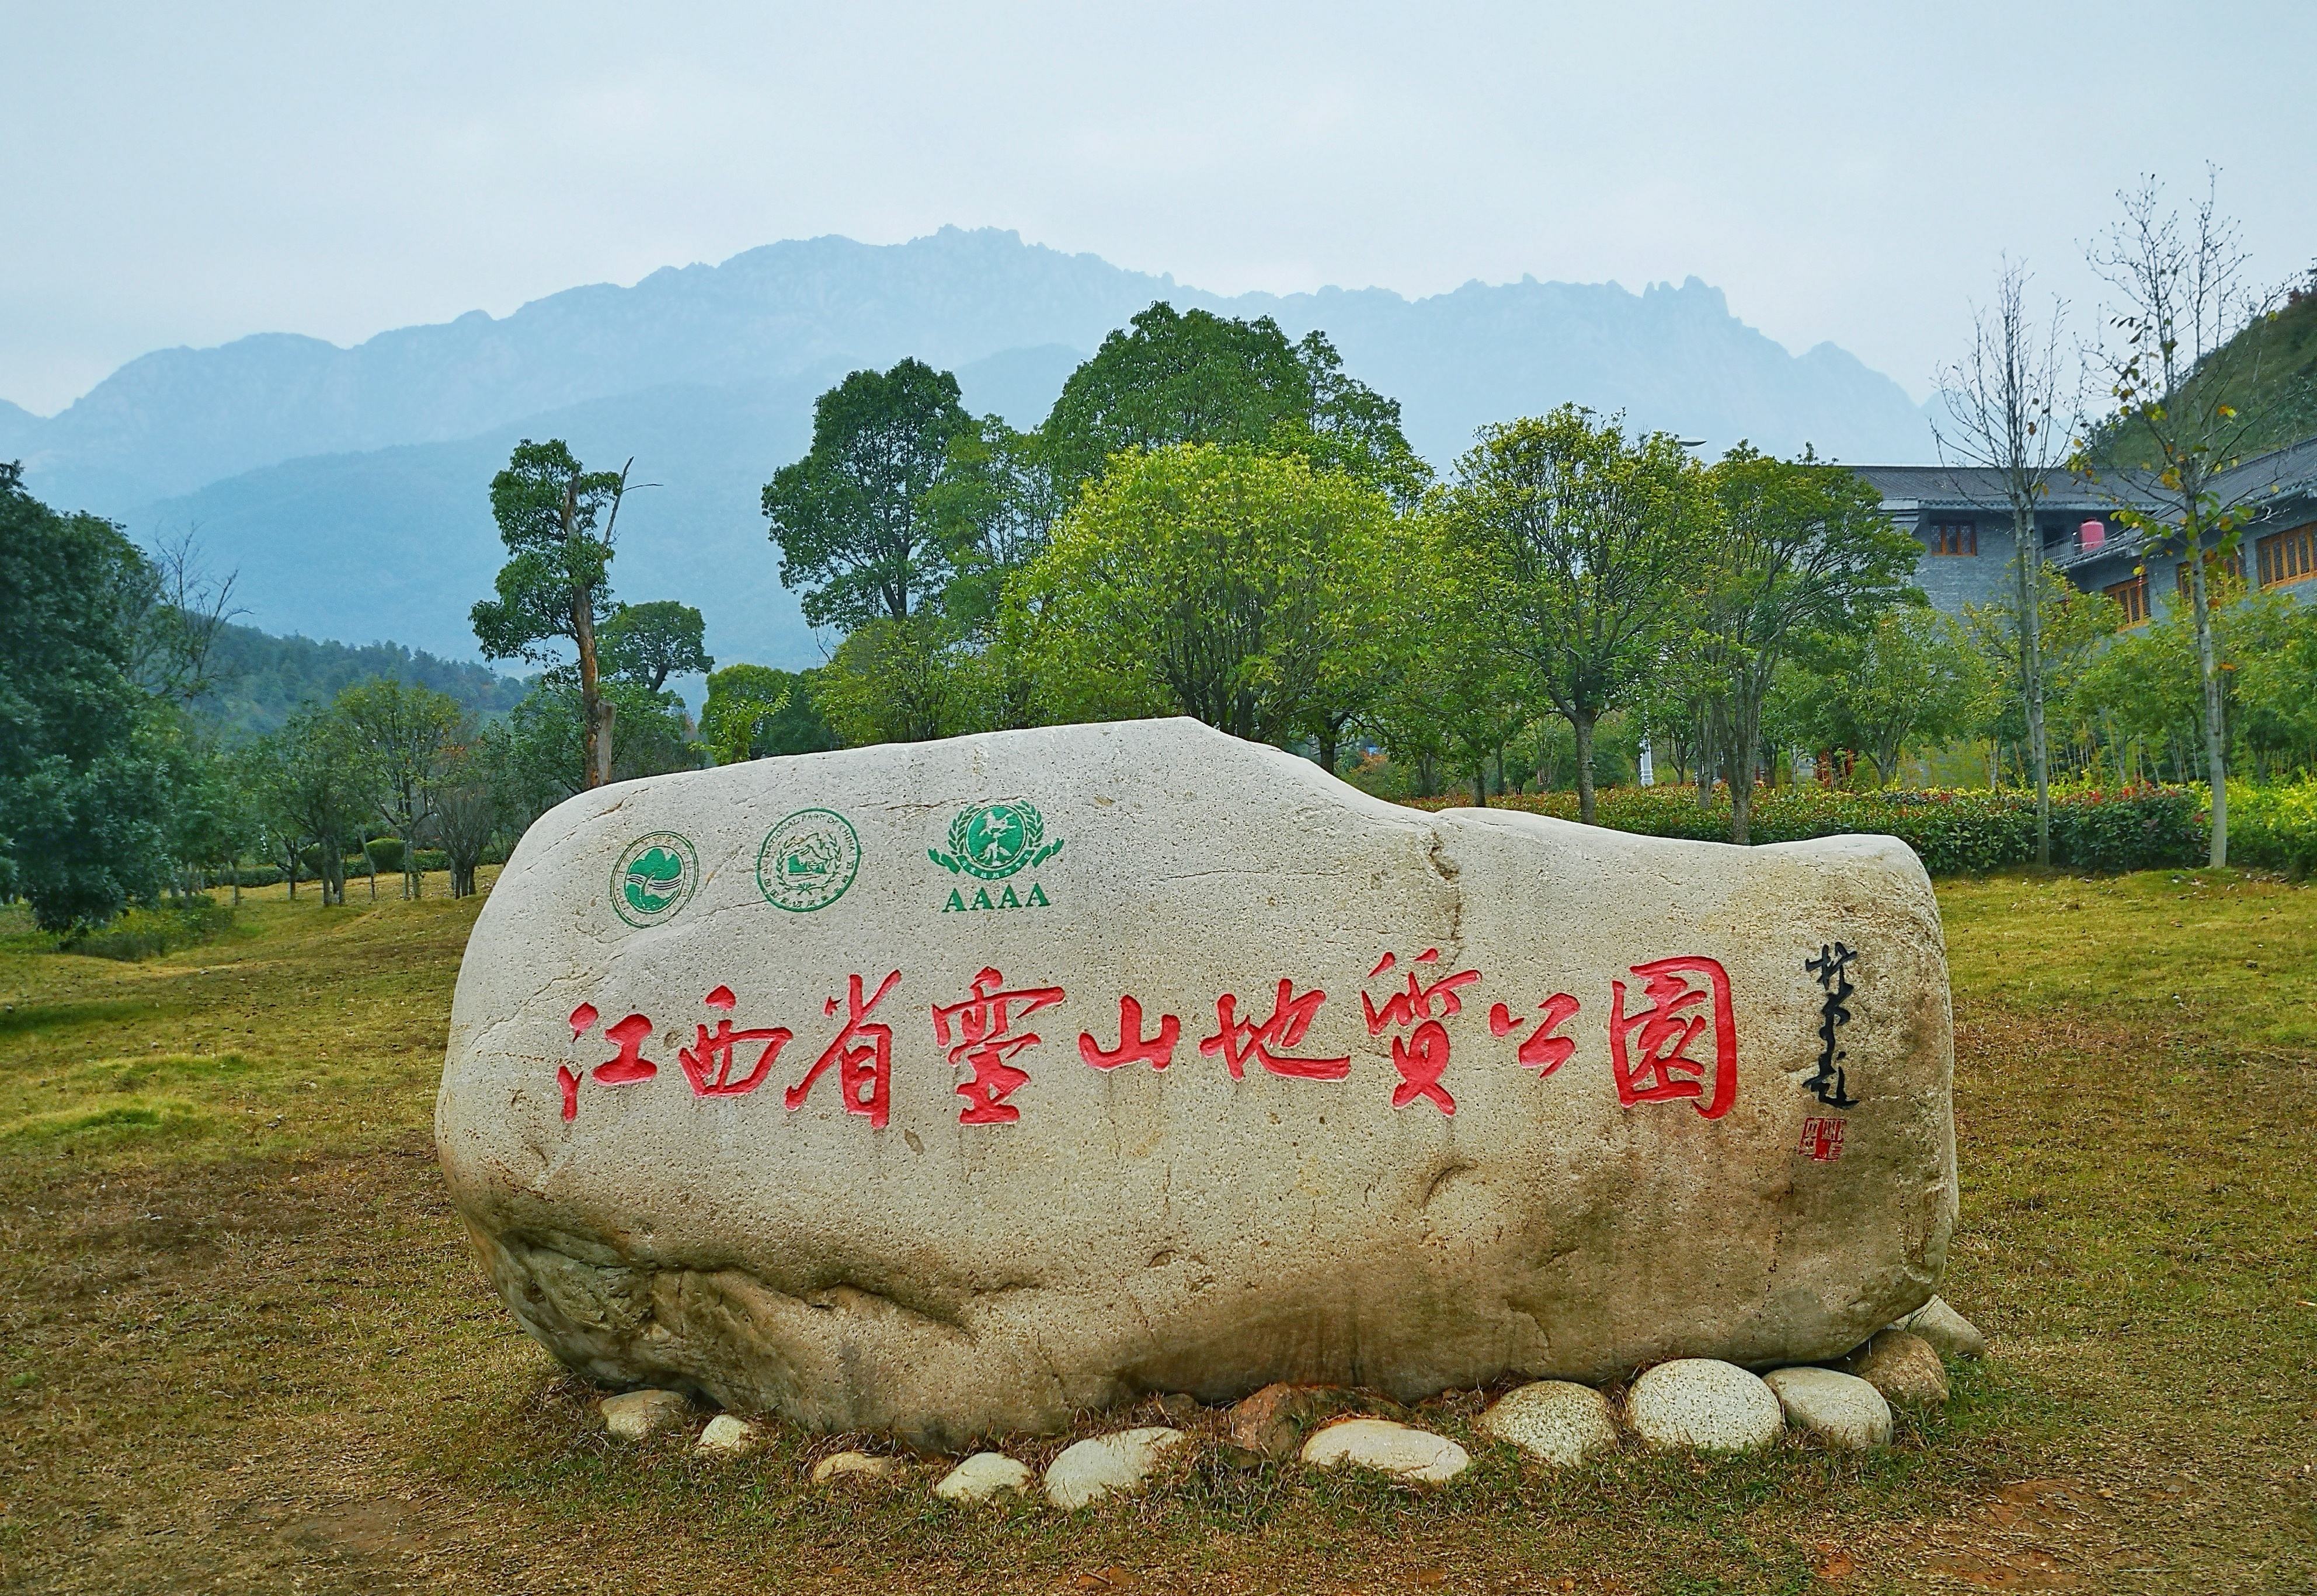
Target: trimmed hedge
[[2133, 828]]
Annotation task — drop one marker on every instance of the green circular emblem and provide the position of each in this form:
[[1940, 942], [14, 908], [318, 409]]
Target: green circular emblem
[[807, 860], [655, 876], [993, 841]]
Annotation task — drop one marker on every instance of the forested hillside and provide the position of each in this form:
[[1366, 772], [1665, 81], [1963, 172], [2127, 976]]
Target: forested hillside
[[2268, 372], [261, 678]]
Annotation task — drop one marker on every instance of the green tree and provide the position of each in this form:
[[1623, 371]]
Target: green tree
[[854, 531], [557, 587], [1449, 698], [470, 799], [2072, 629], [543, 766], [994, 508], [1801, 551], [1909, 679], [403, 735], [645, 644], [1581, 541], [2179, 370], [1210, 581], [898, 681], [1194, 376], [314, 778], [756, 711], [85, 787]]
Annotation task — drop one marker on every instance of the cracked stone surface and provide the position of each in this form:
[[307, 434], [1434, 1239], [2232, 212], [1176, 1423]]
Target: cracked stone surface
[[1289, 1199]]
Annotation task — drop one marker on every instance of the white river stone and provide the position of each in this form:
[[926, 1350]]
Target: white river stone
[[891, 1255], [984, 1475], [1555, 1422], [1703, 1404], [1096, 1468], [1841, 1409], [1401, 1450]]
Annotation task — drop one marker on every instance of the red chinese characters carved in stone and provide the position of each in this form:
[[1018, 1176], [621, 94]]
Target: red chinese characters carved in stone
[[708, 1062], [862, 1054], [985, 1041], [1133, 1046], [1237, 1040], [1422, 1056], [1648, 1050], [624, 1069], [1542, 1051]]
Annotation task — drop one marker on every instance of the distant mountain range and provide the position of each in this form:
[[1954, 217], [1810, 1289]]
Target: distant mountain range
[[349, 485]]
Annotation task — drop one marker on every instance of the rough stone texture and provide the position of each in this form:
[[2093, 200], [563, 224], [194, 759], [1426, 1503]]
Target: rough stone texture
[[726, 1436], [852, 1466], [1138, 1230], [1841, 1410], [1703, 1404], [633, 1415], [1108, 1463], [1902, 1367], [1951, 1335], [1555, 1422], [984, 1475], [1273, 1421], [1400, 1450]]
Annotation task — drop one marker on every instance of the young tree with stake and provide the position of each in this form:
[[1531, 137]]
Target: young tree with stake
[[2009, 417], [2175, 366]]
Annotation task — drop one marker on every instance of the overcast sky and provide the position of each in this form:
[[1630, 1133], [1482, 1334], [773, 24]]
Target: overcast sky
[[186, 174]]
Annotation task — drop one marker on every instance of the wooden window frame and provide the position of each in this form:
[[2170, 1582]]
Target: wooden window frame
[[2132, 593], [2287, 556], [2231, 567], [1953, 539]]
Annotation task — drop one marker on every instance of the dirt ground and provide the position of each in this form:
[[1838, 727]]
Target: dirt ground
[[243, 1346]]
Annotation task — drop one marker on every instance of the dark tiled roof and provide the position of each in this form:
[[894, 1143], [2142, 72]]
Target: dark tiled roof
[[2291, 470]]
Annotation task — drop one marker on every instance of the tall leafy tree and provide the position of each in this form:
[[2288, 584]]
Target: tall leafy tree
[[2179, 370], [558, 520], [756, 712], [1192, 376], [1583, 542], [1907, 680], [313, 776], [1217, 582], [1801, 551], [2011, 419], [404, 735], [85, 787], [854, 531], [645, 644]]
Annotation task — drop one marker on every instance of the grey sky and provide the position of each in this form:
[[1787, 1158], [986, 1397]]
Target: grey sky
[[176, 174]]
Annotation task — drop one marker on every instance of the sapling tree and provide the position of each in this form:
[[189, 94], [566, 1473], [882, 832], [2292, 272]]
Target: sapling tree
[[2010, 419], [2178, 371]]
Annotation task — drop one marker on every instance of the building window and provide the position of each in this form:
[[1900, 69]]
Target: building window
[[2288, 556], [1954, 537], [2133, 596], [2215, 569]]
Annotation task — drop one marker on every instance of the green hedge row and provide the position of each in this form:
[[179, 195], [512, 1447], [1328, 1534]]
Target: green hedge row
[[2133, 828], [2273, 827]]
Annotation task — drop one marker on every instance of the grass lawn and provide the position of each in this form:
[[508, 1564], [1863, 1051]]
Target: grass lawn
[[243, 1346]]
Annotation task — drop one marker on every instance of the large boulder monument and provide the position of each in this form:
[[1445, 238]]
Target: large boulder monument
[[951, 1089]]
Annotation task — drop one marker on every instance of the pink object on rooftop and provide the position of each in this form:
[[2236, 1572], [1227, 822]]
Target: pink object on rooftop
[[2092, 534]]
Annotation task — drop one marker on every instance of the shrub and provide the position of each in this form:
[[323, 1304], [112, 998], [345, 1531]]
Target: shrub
[[2273, 827], [385, 853], [146, 933], [1953, 832]]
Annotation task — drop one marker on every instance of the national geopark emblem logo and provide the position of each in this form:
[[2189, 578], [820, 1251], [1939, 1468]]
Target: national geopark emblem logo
[[996, 840], [807, 860], [655, 876]]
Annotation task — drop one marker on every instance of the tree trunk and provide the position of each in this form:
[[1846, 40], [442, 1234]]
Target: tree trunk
[[595, 713], [1581, 724], [1480, 783], [1331, 730], [2216, 748], [2027, 551]]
